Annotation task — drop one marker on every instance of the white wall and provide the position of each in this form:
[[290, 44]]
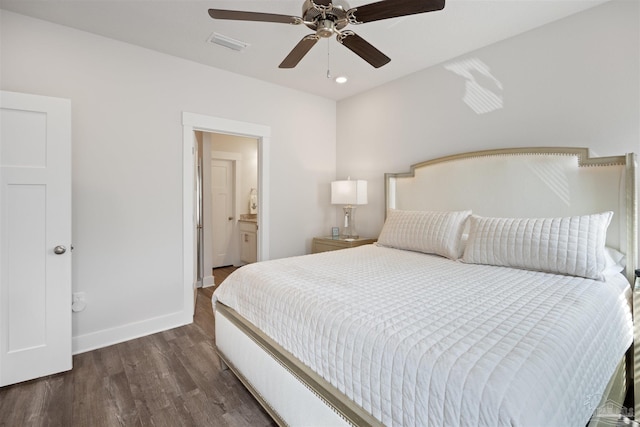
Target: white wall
[[575, 82], [127, 105]]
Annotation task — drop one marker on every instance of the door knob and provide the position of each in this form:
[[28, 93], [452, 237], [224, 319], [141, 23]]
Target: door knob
[[230, 218], [59, 250]]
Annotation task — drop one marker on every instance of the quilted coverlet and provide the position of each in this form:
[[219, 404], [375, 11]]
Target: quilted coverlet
[[420, 340]]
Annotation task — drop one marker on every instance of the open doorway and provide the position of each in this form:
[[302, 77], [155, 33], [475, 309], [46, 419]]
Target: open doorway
[[229, 200], [192, 122]]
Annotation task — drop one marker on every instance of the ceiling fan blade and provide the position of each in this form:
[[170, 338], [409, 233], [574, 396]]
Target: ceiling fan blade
[[363, 49], [239, 15], [392, 9], [299, 51]]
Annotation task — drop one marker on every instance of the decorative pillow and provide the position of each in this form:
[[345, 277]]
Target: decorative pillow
[[424, 231], [572, 245]]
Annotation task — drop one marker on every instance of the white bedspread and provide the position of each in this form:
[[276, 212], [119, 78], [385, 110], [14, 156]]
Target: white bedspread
[[419, 340]]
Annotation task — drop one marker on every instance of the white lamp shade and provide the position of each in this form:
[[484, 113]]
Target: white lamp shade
[[351, 192]]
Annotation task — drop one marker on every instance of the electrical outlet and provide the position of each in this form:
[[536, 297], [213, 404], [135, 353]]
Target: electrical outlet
[[78, 301]]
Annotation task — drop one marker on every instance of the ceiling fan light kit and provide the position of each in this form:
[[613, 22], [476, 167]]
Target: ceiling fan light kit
[[329, 17]]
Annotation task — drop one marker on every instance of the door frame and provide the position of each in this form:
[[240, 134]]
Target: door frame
[[192, 122]]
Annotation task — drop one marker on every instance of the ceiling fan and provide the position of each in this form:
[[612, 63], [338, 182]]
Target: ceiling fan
[[328, 17]]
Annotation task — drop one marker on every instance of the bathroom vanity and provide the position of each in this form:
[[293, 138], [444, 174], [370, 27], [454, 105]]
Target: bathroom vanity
[[248, 225]]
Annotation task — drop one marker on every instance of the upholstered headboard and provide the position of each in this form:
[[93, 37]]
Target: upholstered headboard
[[539, 182]]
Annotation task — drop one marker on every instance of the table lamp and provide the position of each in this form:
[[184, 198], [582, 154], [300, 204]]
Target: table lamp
[[349, 193]]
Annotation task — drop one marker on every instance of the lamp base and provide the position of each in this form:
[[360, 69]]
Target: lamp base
[[349, 229]]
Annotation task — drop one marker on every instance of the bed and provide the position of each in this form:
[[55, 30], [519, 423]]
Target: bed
[[499, 293]]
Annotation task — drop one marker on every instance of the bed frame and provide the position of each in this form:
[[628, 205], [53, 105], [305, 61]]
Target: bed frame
[[522, 182]]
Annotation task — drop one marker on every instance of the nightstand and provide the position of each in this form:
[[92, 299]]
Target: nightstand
[[324, 244]]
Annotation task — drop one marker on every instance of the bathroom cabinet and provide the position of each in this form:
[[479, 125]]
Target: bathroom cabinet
[[248, 241]]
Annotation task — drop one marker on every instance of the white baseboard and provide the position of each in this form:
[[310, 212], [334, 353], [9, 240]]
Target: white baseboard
[[208, 281], [107, 337]]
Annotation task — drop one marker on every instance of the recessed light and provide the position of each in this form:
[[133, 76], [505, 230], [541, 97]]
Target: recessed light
[[341, 79]]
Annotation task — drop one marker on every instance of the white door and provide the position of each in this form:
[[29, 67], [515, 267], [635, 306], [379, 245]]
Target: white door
[[222, 204], [35, 236]]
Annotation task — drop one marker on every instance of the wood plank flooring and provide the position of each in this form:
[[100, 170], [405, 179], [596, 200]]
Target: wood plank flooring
[[172, 379]]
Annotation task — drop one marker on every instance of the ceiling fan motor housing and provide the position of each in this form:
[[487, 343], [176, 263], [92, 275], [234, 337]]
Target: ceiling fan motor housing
[[325, 20]]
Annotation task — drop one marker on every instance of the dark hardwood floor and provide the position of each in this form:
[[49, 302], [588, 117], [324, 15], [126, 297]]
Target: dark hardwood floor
[[172, 378]]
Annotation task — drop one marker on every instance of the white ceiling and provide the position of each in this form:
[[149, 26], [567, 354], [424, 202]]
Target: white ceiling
[[182, 27]]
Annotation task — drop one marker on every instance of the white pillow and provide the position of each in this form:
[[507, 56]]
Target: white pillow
[[572, 245], [615, 262], [424, 231]]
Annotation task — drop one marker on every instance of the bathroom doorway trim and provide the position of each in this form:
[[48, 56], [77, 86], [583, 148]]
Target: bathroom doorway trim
[[192, 122]]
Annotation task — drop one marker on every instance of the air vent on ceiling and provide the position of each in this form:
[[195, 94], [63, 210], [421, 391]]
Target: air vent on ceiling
[[225, 41]]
